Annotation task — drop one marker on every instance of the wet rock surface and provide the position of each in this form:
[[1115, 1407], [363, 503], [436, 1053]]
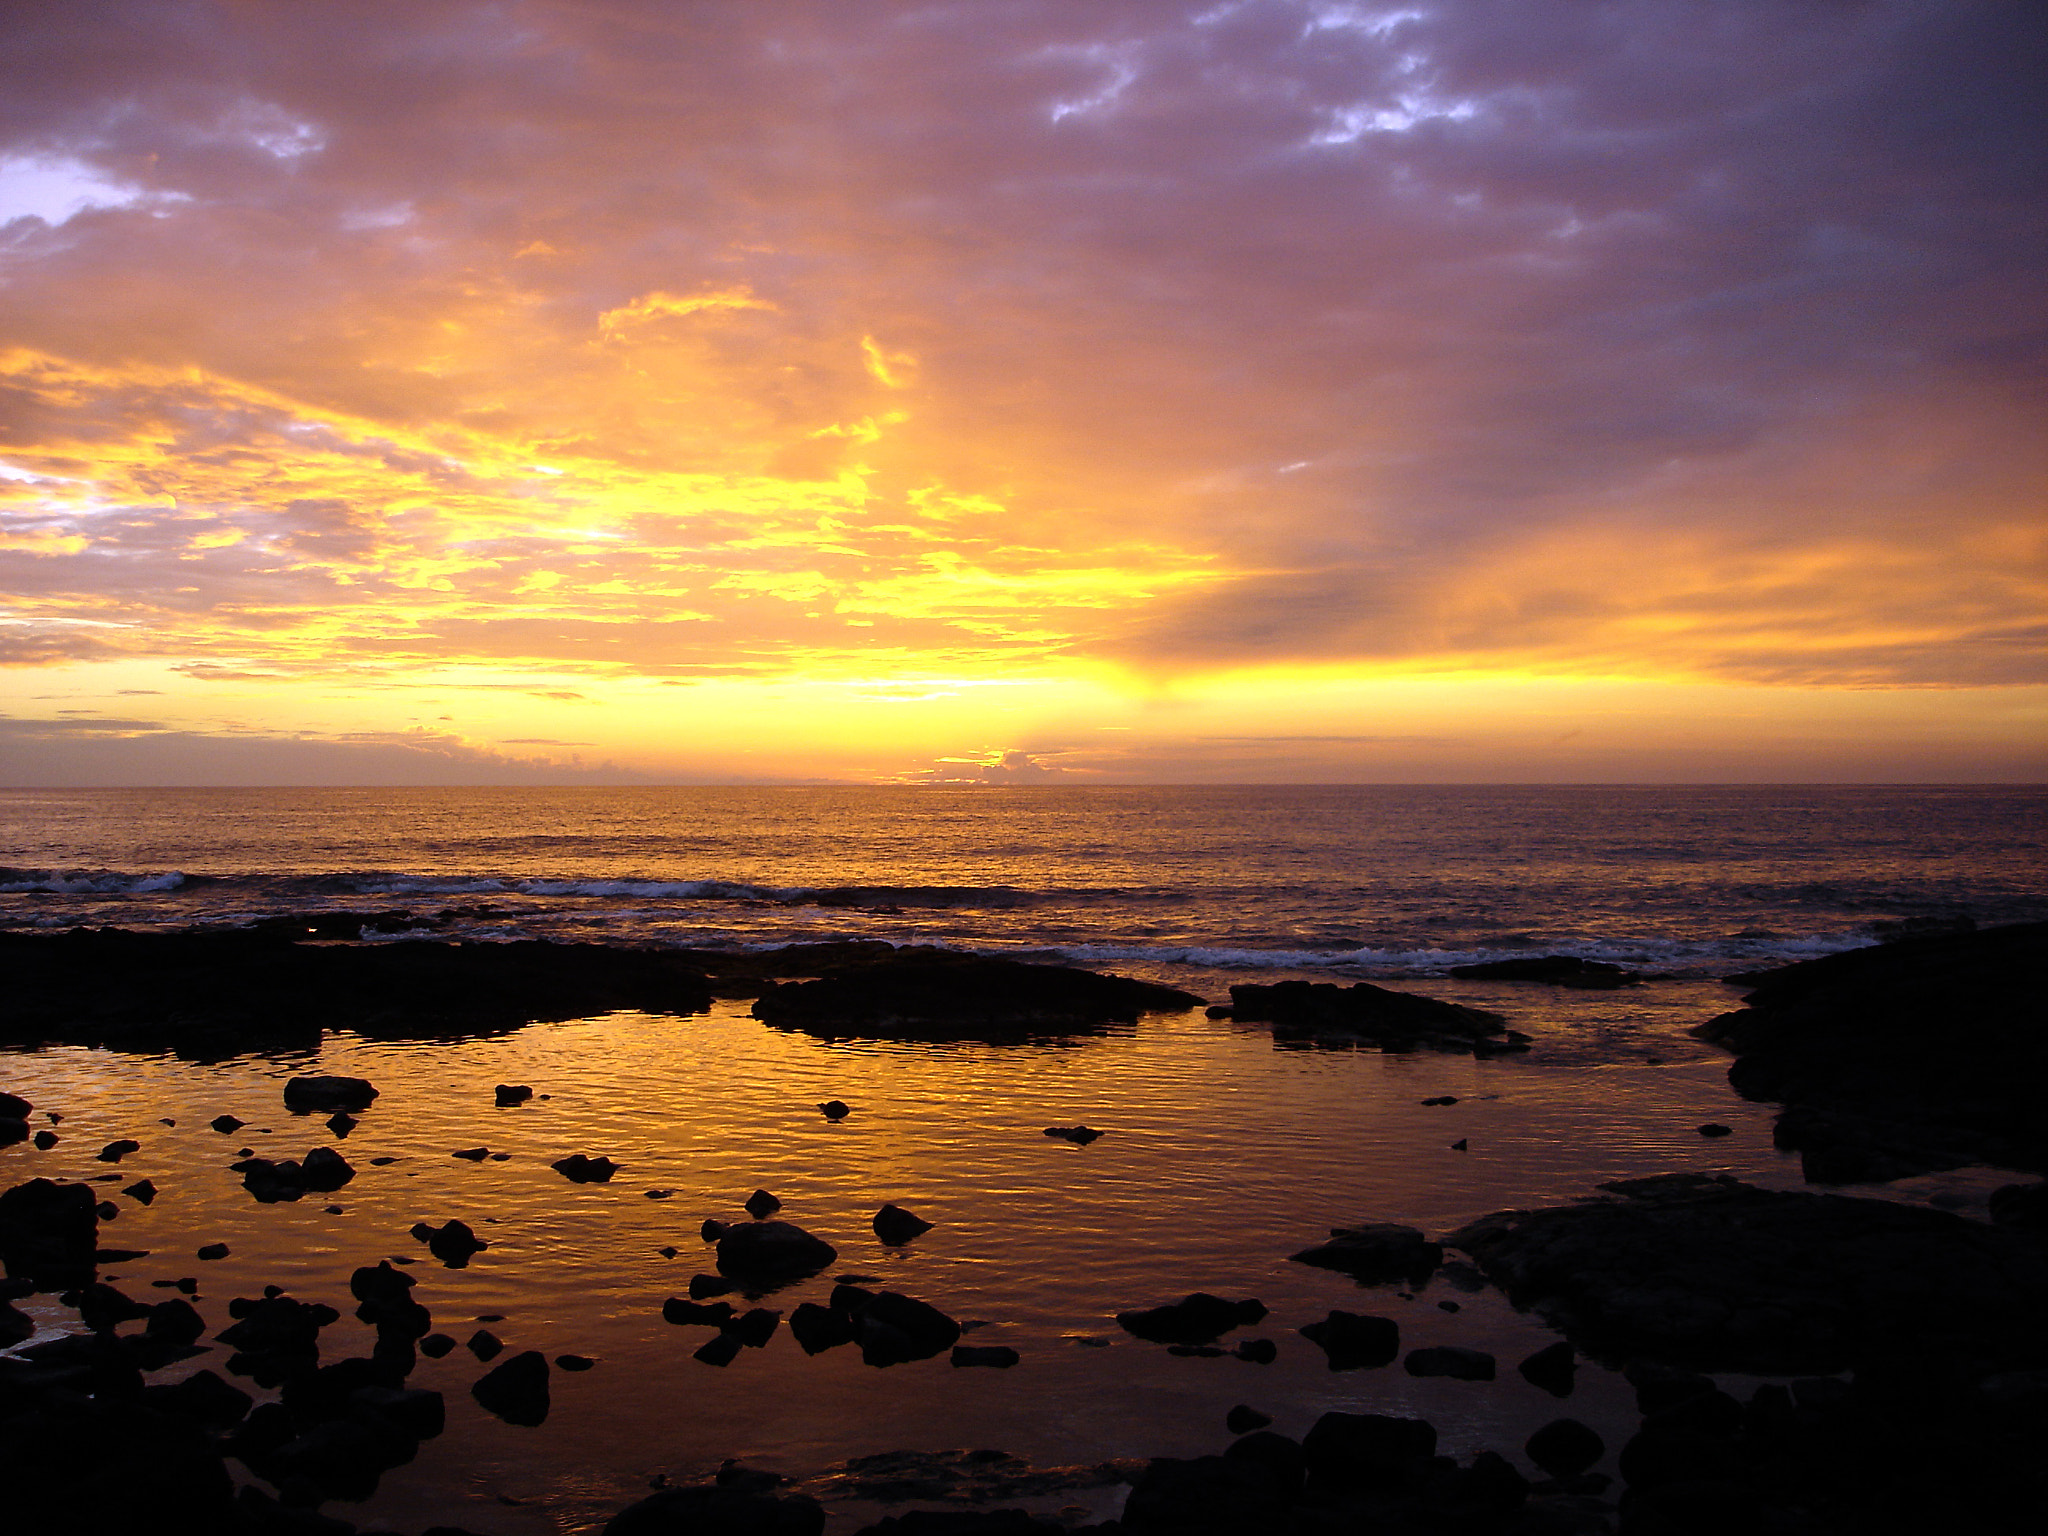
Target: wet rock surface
[[931, 994], [1376, 1253], [1922, 1054], [1323, 1013]]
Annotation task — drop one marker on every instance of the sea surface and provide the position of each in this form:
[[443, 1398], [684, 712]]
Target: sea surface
[[1223, 1152]]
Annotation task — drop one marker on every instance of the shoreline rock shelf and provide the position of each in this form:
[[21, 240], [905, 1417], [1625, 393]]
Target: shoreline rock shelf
[[1323, 1013], [1922, 1054]]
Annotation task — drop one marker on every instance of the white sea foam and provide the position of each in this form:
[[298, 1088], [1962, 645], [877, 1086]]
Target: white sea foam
[[87, 882]]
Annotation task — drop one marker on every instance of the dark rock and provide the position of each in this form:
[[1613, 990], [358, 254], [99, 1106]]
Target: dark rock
[[716, 1511], [176, 1322], [1565, 1448], [1362, 1014], [1710, 1130], [2021, 1205], [272, 1181], [1244, 1418], [1237, 1492], [708, 1285], [1554, 1369], [325, 1169], [143, 1191], [341, 1124], [1558, 970], [1441, 1101], [834, 1109], [516, 1391], [895, 1226], [44, 1140], [1368, 1450], [1717, 1275], [721, 1350], [485, 1345], [380, 1283], [49, 1233], [436, 1345], [754, 1328], [1450, 1360], [818, 1329], [1257, 1351], [1197, 1351], [1844, 1043], [203, 1397], [210, 1251], [1197, 1319], [1079, 1135], [892, 1328], [696, 1314], [1000, 1356], [772, 1251], [1461, 1145], [574, 1363], [713, 1229], [933, 994], [227, 1125], [454, 1243], [14, 1107], [1376, 1253], [578, 1169], [472, 1154], [510, 1094], [760, 1205], [414, 1411], [114, 1151], [106, 1210], [102, 1307], [233, 989], [306, 1094], [12, 1130], [1354, 1341]]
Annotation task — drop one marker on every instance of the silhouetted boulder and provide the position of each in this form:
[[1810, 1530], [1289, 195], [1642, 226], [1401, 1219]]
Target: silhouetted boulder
[[579, 1169], [454, 1243], [1354, 1341], [516, 1391], [818, 1329], [306, 1094], [834, 1109], [892, 1328], [508, 1095], [760, 1205], [1565, 1448], [1553, 1368], [1450, 1360], [1196, 1319], [895, 1226], [1368, 1450], [771, 1251], [1079, 1135]]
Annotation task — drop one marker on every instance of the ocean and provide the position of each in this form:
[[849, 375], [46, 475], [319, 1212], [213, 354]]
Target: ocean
[[1363, 880], [1223, 1152]]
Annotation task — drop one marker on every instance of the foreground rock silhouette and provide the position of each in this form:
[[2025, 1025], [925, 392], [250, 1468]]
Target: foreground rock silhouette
[[1921, 1054]]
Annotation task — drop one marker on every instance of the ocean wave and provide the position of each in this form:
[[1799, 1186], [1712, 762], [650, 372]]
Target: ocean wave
[[1666, 956], [87, 882]]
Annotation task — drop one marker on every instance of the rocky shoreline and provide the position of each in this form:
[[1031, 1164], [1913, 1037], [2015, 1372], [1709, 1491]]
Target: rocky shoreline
[[1911, 1342]]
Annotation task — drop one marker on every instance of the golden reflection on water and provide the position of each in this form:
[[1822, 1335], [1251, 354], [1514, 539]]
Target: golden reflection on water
[[1223, 1156]]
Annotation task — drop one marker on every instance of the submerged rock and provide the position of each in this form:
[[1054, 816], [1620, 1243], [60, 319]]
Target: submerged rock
[[1079, 1135], [1323, 1013], [934, 994]]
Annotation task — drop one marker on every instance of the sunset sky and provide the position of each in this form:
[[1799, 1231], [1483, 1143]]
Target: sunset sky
[[1028, 390]]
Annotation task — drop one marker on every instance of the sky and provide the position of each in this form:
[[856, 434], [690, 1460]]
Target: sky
[[1022, 391]]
